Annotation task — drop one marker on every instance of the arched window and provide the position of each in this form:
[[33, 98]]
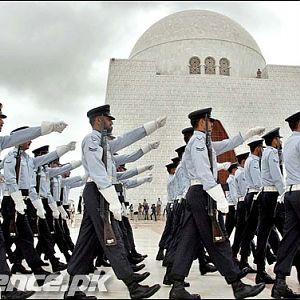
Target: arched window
[[224, 66], [219, 134], [195, 65], [210, 65]]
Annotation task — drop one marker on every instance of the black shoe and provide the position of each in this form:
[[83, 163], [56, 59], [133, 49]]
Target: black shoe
[[18, 268], [78, 295], [140, 277], [43, 274], [168, 281], [135, 260], [264, 277], [241, 290], [164, 263], [136, 254], [207, 268], [208, 258], [160, 255], [15, 294], [44, 264], [250, 270], [178, 292], [243, 273], [271, 258], [138, 268], [59, 266], [102, 263], [138, 291], [281, 290]]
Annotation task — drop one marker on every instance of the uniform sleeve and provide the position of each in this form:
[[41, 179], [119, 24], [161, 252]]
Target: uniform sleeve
[[10, 173], [127, 174], [69, 181], [19, 137], [233, 191], [201, 164], [255, 174], [132, 183], [128, 158], [44, 159], [59, 170], [76, 184], [127, 139], [228, 144], [275, 172], [93, 153]]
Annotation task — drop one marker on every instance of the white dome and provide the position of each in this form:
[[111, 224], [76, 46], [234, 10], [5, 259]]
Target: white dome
[[173, 40]]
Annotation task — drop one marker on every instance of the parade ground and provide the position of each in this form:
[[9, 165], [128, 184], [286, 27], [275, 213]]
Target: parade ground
[[147, 235]]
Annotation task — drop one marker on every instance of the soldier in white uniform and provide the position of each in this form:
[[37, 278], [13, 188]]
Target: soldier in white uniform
[[98, 192], [291, 239], [231, 197], [6, 142], [201, 164]]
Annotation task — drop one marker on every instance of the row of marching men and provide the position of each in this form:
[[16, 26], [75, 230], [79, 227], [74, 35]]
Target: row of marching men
[[257, 200], [34, 202]]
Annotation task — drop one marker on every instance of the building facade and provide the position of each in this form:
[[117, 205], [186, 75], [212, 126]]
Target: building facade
[[191, 60]]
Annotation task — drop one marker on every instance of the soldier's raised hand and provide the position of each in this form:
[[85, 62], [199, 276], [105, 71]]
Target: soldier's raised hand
[[258, 130], [48, 127]]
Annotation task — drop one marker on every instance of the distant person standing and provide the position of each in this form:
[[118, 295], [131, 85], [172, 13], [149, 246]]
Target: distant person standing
[[158, 208], [146, 209], [153, 212]]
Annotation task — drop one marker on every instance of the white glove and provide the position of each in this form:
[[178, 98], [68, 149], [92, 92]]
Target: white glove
[[223, 166], [252, 132], [61, 150], [19, 202], [112, 198], [143, 179], [48, 127], [218, 195], [144, 168], [75, 164], [151, 126], [280, 198], [55, 211], [147, 148], [62, 211], [40, 211]]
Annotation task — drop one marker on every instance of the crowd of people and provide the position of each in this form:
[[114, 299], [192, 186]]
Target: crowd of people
[[257, 200]]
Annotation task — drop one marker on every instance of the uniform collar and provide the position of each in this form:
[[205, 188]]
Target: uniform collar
[[255, 156], [97, 133], [296, 133], [200, 133]]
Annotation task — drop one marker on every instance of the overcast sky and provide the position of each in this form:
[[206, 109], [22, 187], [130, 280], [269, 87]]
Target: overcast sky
[[54, 56]]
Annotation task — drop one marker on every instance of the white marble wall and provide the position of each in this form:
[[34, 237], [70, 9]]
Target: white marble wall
[[137, 95]]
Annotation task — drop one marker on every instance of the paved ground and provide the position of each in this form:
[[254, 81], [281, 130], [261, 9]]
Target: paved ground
[[147, 235]]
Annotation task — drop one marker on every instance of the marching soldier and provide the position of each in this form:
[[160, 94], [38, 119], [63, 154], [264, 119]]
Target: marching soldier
[[271, 210], [9, 141], [200, 161], [231, 197], [253, 183], [241, 188], [100, 192], [171, 168], [20, 183], [291, 238]]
